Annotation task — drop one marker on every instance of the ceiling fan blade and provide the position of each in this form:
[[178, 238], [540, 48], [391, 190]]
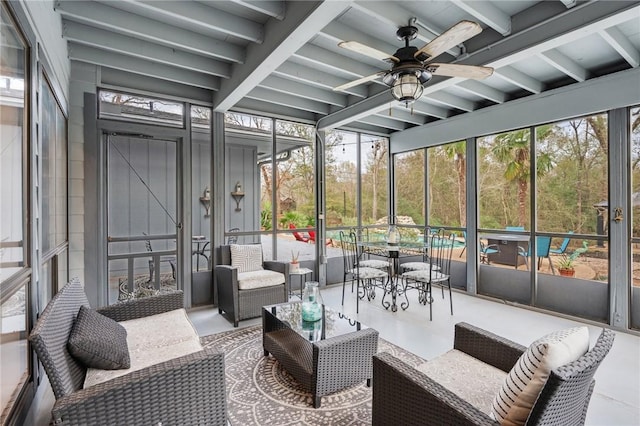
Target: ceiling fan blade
[[359, 81], [458, 70], [455, 35], [366, 50]]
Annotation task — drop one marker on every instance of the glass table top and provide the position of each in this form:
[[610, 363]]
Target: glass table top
[[332, 323]]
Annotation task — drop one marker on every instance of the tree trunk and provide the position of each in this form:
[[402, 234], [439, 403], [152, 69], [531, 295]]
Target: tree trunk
[[461, 167], [522, 201]]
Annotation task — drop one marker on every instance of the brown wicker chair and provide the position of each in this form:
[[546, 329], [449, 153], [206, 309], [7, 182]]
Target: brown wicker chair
[[406, 396], [244, 304], [185, 390]]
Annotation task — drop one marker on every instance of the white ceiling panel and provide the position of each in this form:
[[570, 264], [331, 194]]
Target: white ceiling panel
[[282, 57]]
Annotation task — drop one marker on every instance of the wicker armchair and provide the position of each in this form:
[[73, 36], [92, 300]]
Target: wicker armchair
[[241, 304], [404, 395], [185, 390]]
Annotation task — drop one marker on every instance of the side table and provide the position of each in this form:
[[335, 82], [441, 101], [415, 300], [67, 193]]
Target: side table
[[302, 273]]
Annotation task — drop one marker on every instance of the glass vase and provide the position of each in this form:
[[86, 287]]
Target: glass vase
[[311, 302]]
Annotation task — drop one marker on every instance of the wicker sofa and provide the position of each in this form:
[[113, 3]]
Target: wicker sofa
[[186, 390], [238, 303], [404, 395]]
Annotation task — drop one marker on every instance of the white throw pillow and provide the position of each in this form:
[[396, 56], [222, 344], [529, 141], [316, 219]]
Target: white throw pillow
[[525, 381], [246, 258]]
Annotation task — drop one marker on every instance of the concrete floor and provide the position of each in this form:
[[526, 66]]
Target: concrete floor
[[616, 398]]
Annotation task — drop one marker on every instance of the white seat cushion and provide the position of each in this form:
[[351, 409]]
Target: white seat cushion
[[469, 378], [521, 387], [368, 273], [423, 276], [374, 263], [246, 257], [415, 266], [152, 340], [259, 279]]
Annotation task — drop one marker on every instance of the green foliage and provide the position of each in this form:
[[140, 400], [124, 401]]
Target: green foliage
[[265, 219], [567, 261], [300, 220]]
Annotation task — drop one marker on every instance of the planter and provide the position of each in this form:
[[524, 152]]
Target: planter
[[294, 266], [567, 272]]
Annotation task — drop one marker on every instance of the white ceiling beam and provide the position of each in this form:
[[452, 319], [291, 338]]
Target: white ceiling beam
[[105, 58], [279, 98], [622, 45], [314, 77], [453, 101], [564, 64], [484, 91], [487, 13], [402, 114], [106, 17], [255, 106], [282, 38], [275, 8], [338, 32], [592, 96], [428, 109], [520, 79], [302, 90], [389, 123], [314, 55], [575, 23], [114, 42], [569, 3], [200, 17]]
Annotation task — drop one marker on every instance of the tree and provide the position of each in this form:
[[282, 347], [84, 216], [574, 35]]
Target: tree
[[513, 149], [457, 151]]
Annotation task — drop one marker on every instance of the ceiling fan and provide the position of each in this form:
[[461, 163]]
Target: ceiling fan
[[412, 67]]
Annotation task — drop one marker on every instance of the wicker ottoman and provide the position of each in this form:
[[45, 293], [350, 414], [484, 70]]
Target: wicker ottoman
[[324, 356]]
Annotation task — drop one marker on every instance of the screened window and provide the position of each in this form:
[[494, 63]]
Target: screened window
[[14, 291], [409, 185], [134, 108]]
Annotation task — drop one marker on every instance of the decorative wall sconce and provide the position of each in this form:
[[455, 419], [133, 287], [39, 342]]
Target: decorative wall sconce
[[238, 195], [206, 200]]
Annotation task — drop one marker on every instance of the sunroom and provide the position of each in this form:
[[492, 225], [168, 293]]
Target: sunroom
[[138, 137]]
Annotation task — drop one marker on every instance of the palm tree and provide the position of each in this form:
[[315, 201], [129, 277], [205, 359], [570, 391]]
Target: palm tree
[[513, 149], [457, 151]]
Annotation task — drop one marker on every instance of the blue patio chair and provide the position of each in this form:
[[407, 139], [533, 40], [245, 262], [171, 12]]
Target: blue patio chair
[[543, 248], [563, 246], [486, 250], [514, 228]]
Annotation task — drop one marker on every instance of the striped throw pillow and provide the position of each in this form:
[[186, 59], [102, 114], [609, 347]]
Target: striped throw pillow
[[247, 257], [523, 384]]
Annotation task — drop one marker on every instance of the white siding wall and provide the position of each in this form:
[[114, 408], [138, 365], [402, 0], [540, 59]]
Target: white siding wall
[[83, 79], [47, 24]]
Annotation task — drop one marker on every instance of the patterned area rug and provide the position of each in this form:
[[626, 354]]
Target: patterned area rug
[[261, 392]]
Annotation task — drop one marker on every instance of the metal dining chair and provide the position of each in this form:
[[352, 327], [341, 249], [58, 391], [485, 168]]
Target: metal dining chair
[[360, 274], [439, 272]]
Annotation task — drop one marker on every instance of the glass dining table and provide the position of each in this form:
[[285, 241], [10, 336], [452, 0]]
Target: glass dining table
[[394, 287]]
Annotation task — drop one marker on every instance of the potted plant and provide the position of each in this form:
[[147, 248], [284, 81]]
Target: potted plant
[[565, 264], [294, 265]]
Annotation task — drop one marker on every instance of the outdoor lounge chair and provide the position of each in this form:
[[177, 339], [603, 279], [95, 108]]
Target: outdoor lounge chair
[[404, 395], [247, 284], [297, 235], [188, 389]]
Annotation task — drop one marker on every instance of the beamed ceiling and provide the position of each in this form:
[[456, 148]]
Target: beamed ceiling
[[282, 57]]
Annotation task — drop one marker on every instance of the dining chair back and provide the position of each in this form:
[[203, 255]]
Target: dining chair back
[[563, 246], [514, 228], [355, 268], [543, 249], [437, 273]]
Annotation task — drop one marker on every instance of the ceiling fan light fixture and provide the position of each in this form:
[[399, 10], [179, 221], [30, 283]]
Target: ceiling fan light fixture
[[407, 88]]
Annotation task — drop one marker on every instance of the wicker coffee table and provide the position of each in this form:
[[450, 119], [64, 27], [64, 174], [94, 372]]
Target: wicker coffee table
[[325, 356]]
